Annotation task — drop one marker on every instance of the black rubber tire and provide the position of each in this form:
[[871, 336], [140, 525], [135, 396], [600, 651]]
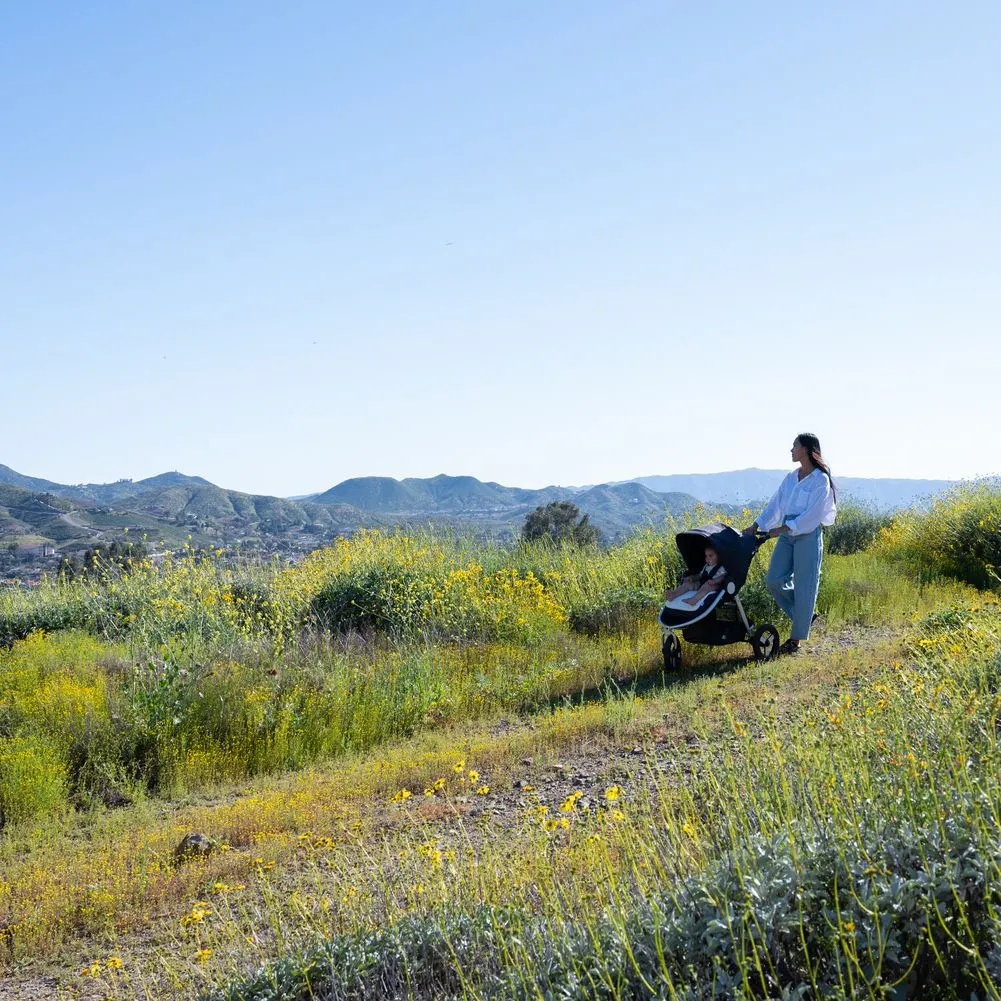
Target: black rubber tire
[[765, 641], [671, 649]]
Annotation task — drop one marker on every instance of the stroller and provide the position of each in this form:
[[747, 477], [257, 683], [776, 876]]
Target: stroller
[[719, 618]]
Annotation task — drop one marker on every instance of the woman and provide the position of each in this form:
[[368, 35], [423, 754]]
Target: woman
[[805, 501]]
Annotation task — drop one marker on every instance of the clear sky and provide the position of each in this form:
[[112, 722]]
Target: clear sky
[[278, 245]]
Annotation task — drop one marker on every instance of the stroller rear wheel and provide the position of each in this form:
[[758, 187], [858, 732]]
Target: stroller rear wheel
[[671, 649], [765, 641]]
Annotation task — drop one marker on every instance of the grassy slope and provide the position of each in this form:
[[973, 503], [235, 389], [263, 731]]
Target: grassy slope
[[102, 886], [891, 719]]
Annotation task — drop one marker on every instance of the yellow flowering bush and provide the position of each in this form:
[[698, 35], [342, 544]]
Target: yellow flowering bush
[[410, 587], [32, 779], [958, 536]]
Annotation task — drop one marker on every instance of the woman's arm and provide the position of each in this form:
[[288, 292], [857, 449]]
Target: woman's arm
[[771, 517]]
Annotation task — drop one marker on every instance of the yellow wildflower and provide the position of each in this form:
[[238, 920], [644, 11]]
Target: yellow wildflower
[[570, 803]]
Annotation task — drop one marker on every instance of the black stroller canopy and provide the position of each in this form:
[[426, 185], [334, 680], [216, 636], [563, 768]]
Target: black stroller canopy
[[735, 550]]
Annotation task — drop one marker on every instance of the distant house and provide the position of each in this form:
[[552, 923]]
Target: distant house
[[48, 550]]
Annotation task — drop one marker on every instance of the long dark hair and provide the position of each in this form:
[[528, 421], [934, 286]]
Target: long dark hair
[[812, 445]]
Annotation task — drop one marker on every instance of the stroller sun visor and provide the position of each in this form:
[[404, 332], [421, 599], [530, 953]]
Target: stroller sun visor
[[735, 549]]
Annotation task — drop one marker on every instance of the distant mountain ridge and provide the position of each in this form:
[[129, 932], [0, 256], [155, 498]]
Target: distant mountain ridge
[[173, 507], [99, 493], [442, 494], [747, 486], [170, 508], [614, 508]]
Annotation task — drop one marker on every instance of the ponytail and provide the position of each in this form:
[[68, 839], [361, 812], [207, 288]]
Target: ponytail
[[812, 445]]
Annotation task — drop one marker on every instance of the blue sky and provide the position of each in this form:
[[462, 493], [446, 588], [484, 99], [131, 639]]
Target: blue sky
[[278, 245]]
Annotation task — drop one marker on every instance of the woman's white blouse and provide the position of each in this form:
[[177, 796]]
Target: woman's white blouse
[[802, 504]]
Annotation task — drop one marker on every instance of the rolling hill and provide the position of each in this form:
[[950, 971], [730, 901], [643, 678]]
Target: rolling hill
[[33, 514], [172, 508], [614, 508]]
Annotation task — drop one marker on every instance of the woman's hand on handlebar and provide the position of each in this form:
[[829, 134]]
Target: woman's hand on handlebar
[[750, 530]]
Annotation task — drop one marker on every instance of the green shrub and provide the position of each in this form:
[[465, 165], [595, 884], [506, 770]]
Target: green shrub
[[32, 779], [372, 599], [20, 622], [615, 612], [959, 536], [855, 529], [557, 522]]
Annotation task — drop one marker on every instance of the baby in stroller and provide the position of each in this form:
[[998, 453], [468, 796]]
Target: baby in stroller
[[705, 607], [694, 587]]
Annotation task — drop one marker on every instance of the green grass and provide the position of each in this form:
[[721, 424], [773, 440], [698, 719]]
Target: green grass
[[845, 851], [195, 674], [193, 679]]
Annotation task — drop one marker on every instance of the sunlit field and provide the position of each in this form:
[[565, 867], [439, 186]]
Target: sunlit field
[[431, 767]]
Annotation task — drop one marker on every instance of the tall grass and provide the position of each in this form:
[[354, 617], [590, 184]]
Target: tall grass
[[182, 675], [958, 536], [161, 677], [191, 672], [852, 852]]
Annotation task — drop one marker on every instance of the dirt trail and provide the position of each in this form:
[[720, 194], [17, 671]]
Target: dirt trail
[[70, 518]]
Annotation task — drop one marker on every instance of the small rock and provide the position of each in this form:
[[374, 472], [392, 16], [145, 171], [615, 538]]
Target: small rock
[[558, 767], [194, 845], [528, 762], [113, 797]]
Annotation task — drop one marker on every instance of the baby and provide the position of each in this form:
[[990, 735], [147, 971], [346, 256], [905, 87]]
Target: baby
[[693, 588]]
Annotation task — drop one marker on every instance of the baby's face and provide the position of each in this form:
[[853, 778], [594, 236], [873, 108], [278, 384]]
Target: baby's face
[[712, 557]]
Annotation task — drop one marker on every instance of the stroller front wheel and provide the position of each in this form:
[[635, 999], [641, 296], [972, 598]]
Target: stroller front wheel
[[765, 641], [671, 648]]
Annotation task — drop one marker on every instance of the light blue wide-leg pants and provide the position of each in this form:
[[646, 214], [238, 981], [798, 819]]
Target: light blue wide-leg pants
[[794, 578]]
